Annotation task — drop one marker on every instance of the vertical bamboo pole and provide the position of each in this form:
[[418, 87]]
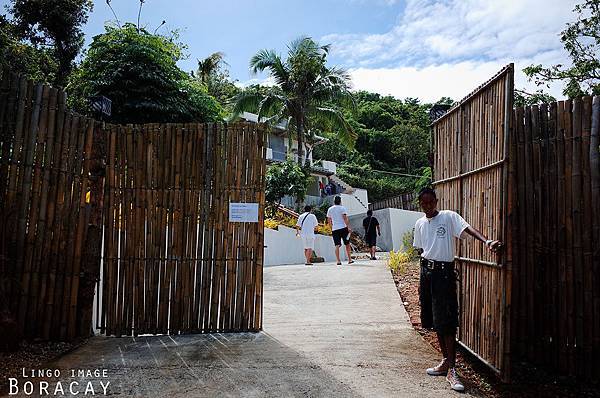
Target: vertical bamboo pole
[[594, 155]]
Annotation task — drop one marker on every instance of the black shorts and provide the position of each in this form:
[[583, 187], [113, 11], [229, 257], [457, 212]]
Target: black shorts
[[339, 235], [439, 303], [371, 240]]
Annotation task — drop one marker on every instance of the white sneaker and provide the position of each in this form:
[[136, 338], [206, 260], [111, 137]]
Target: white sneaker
[[454, 380], [439, 370]]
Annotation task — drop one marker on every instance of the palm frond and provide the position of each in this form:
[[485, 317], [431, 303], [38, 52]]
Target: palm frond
[[340, 126], [245, 101], [262, 60]]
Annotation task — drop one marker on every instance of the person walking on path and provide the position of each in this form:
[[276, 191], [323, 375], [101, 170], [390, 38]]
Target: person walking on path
[[434, 240], [337, 217], [372, 230], [305, 227]]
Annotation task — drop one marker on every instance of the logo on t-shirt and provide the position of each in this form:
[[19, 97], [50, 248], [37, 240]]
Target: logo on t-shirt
[[441, 231]]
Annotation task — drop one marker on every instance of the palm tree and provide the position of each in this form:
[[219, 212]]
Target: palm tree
[[209, 65], [306, 94]]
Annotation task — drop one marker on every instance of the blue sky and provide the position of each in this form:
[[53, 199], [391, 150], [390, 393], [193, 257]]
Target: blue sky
[[240, 28], [407, 48]]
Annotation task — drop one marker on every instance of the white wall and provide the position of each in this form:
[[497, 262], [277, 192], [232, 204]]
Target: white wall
[[353, 205], [394, 223], [329, 165], [283, 247]]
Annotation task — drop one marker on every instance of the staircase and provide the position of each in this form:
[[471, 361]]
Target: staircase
[[347, 188]]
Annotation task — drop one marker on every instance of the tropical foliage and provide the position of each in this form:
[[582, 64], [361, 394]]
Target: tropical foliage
[[392, 139], [285, 179], [581, 39], [138, 71], [307, 93]]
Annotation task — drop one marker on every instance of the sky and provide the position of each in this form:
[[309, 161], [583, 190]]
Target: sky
[[423, 49]]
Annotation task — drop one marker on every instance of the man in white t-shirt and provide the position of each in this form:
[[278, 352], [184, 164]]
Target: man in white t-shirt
[[305, 227], [434, 239], [337, 217]]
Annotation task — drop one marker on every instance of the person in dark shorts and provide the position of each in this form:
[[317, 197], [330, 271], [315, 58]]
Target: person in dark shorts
[[434, 240], [337, 217], [372, 229]]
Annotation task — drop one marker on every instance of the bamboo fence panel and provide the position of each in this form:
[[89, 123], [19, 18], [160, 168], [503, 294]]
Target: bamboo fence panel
[[44, 178], [471, 148], [555, 316], [173, 263]]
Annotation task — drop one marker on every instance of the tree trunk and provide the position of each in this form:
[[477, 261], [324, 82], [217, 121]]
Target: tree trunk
[[300, 132]]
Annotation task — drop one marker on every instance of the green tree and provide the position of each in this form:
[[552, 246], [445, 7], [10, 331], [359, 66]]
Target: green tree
[[138, 71], [307, 93], [213, 73], [285, 179], [37, 63], [581, 39], [56, 24], [523, 98]]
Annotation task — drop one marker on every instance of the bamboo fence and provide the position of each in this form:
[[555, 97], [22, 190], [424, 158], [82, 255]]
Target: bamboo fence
[[556, 286], [154, 196], [406, 201], [44, 178]]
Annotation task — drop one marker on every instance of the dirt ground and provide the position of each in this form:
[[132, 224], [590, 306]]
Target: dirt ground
[[31, 355], [528, 381]]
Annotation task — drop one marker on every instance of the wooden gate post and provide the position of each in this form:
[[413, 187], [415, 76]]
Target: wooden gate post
[[90, 264]]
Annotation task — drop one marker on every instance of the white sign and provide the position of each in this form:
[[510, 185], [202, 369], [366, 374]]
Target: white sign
[[243, 212]]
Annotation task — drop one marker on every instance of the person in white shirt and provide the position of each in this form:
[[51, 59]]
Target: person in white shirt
[[337, 217], [305, 227], [434, 240]]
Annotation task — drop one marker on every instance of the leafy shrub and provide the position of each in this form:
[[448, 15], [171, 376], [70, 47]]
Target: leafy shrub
[[270, 223], [324, 229], [398, 261]]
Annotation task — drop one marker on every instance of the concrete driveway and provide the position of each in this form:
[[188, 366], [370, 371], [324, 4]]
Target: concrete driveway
[[328, 332]]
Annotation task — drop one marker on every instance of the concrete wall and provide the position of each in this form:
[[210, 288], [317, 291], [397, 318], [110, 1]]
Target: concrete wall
[[283, 247], [353, 205], [394, 223]]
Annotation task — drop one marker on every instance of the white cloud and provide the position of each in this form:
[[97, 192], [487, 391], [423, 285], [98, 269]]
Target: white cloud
[[430, 31], [430, 83], [448, 47]]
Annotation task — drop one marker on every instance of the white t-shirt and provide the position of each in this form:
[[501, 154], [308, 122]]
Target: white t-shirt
[[308, 228], [336, 213], [435, 235]]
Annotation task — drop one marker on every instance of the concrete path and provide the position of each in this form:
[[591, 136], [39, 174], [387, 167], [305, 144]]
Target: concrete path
[[328, 332]]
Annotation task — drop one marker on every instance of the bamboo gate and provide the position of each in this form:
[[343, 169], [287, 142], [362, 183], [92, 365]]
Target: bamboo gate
[[529, 176], [471, 177], [144, 207]]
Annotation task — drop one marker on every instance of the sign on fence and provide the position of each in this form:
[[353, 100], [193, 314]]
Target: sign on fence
[[243, 212]]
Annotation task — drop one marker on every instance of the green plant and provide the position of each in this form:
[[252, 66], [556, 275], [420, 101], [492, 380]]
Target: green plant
[[285, 179], [138, 71], [407, 243], [398, 261], [321, 211], [581, 40]]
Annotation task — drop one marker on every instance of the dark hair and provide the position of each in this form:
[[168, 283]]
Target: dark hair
[[307, 208], [369, 212], [426, 191], [337, 200]]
